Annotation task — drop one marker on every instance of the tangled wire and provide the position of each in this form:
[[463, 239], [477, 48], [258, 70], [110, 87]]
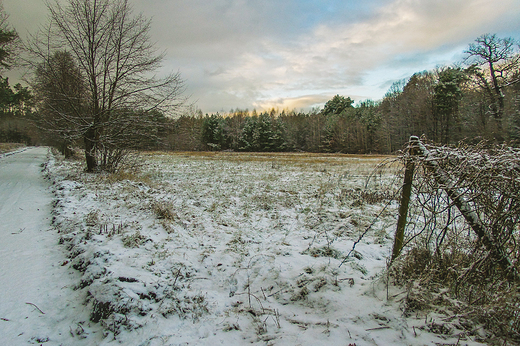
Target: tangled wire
[[475, 258]]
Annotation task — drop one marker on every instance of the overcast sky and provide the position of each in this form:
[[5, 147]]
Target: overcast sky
[[300, 53]]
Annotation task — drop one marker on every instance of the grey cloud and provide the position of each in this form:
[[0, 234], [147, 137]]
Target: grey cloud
[[214, 73], [244, 53], [26, 16]]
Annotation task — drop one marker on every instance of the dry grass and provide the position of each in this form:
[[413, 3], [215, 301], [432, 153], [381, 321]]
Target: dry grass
[[365, 165], [7, 147], [164, 211], [268, 157], [240, 211]]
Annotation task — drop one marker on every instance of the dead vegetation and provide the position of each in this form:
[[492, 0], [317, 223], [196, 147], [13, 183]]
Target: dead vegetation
[[451, 266], [260, 238], [7, 147]]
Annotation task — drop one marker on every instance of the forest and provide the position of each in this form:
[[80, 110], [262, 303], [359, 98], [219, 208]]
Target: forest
[[478, 100]]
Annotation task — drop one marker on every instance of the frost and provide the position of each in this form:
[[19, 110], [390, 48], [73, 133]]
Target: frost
[[234, 249]]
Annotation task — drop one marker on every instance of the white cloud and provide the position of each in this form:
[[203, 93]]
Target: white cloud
[[239, 53], [403, 36], [290, 103]]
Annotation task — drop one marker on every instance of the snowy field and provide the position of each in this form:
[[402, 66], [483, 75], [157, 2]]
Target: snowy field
[[235, 249]]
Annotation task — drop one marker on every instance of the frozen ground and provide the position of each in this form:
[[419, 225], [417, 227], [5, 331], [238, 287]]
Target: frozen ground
[[37, 299], [209, 249]]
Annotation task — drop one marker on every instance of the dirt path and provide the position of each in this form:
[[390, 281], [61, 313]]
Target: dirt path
[[37, 303]]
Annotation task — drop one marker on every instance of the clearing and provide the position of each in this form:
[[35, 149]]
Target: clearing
[[227, 248]]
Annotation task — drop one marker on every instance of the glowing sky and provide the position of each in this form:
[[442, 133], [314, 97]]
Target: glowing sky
[[299, 53]]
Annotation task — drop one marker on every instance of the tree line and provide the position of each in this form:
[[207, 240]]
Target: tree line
[[92, 86], [478, 100], [15, 101]]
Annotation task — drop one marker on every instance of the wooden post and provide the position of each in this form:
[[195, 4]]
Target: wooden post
[[405, 199]]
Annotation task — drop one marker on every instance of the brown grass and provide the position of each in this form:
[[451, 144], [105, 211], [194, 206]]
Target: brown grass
[[270, 157], [7, 147]]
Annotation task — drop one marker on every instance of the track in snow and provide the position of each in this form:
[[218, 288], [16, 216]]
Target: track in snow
[[37, 303]]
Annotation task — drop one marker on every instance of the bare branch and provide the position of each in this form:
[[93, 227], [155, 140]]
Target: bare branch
[[116, 60]]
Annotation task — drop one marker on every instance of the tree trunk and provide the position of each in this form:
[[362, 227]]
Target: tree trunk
[[90, 151]]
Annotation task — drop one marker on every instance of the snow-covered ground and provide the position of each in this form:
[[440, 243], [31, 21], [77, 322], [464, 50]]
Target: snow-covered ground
[[37, 300], [222, 248]]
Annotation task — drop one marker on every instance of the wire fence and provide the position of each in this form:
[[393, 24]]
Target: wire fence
[[459, 243]]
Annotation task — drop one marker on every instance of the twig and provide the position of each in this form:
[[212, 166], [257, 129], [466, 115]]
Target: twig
[[277, 318], [177, 276], [384, 327], [282, 290], [20, 231], [43, 313]]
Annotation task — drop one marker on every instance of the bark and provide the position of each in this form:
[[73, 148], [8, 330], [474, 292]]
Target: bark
[[405, 201], [90, 151]]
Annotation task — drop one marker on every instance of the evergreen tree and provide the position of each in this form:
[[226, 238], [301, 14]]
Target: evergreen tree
[[448, 94], [337, 105], [213, 132], [8, 41], [264, 133], [15, 102]]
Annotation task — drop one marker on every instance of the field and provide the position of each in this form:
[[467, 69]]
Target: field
[[235, 248]]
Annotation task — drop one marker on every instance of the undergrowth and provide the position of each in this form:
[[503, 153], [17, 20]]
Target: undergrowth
[[7, 147], [446, 267]]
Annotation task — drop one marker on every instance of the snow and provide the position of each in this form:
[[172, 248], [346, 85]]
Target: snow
[[203, 249], [37, 301]]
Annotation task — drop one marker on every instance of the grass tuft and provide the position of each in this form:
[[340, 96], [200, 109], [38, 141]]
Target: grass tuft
[[163, 211]]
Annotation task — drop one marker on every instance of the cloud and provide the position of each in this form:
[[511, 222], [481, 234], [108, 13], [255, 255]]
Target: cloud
[[403, 37], [290, 103], [243, 53], [25, 16], [404, 27]]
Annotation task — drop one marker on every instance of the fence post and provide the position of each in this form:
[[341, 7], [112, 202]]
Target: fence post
[[405, 198]]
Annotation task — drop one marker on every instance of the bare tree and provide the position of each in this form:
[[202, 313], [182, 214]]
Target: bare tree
[[60, 91], [501, 59], [117, 61]]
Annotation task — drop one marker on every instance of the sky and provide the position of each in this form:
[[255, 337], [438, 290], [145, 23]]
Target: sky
[[298, 54]]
